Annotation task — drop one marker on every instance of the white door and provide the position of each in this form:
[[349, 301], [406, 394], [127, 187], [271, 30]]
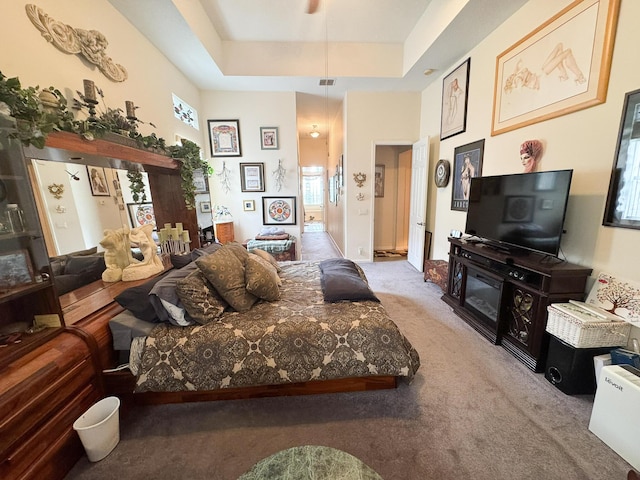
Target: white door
[[418, 206]]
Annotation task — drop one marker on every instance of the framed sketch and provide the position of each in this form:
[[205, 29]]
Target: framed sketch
[[98, 181], [379, 181], [467, 163], [560, 67], [199, 181], [141, 214], [455, 95], [269, 138], [15, 269], [249, 205], [205, 207], [224, 138], [252, 177], [623, 202], [278, 210]]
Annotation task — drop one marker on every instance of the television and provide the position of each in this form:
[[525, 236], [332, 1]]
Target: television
[[524, 211]]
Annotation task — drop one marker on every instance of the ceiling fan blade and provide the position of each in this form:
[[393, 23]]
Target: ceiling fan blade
[[313, 6]]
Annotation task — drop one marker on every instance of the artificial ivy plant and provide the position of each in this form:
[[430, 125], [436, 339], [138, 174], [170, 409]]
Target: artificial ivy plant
[[35, 119], [188, 154]]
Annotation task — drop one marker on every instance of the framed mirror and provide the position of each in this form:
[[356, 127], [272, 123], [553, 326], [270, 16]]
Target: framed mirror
[[623, 200]]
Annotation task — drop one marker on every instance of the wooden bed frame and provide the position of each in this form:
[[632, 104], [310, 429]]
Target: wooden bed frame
[[88, 310], [122, 384]]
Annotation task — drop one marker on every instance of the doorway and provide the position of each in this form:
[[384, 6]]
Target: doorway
[[313, 198], [392, 201]]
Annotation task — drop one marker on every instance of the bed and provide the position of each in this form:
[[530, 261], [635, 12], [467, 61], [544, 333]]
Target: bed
[[325, 325]]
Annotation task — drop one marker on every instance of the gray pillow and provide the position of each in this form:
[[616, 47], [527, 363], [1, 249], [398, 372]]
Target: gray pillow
[[341, 280], [164, 297]]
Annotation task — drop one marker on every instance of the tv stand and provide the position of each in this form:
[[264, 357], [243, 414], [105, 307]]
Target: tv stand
[[504, 296]]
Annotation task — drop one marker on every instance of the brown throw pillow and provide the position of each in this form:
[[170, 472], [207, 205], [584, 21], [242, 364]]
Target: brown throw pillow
[[261, 280], [268, 257], [226, 273], [267, 265], [238, 250], [199, 298]]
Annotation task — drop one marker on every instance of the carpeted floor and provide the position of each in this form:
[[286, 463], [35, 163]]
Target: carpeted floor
[[472, 412]]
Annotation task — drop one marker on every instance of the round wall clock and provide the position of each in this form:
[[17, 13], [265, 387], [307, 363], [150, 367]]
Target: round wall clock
[[443, 170]]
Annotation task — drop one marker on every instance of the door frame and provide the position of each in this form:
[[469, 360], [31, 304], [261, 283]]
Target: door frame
[[380, 143]]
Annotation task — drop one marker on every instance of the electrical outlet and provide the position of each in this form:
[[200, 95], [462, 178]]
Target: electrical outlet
[[360, 250]]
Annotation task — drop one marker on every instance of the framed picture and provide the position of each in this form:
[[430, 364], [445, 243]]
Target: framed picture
[[623, 201], [455, 95], [379, 181], [278, 210], [224, 138], [467, 163], [15, 269], [341, 171], [269, 138], [249, 205], [560, 67], [199, 181], [205, 207], [98, 181], [332, 189], [141, 214], [252, 177]]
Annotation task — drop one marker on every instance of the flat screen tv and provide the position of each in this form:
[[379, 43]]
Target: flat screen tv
[[520, 211]]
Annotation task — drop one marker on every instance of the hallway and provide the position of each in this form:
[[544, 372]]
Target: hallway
[[318, 246]]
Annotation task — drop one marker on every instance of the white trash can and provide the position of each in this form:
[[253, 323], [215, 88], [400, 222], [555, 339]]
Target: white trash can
[[99, 428]]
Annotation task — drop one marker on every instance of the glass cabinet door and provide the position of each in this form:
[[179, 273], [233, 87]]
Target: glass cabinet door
[[29, 308]]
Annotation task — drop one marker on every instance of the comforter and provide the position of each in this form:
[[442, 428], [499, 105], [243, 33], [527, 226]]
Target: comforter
[[295, 339]]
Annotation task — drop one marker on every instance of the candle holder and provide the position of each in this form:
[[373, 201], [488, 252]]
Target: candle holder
[[131, 114], [91, 106]]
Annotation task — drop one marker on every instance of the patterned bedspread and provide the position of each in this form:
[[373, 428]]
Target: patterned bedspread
[[296, 339]]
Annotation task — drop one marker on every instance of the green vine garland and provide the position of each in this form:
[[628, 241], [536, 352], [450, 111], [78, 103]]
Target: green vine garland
[[188, 154]]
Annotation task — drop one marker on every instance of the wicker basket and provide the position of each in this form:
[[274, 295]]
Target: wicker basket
[[579, 329]]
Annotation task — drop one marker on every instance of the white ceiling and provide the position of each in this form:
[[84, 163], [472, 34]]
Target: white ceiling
[[275, 45]]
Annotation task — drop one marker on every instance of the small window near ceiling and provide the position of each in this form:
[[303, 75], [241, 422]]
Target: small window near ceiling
[[185, 112]]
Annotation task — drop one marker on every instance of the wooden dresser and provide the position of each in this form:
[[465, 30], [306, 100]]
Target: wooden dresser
[[41, 395], [224, 232]]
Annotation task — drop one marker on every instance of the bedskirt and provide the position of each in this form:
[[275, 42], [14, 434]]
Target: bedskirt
[[298, 338]]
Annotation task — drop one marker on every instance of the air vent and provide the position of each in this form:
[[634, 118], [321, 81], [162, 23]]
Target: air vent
[[327, 82]]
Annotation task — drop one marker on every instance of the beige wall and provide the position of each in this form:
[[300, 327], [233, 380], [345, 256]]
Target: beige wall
[[334, 214], [255, 110], [584, 141], [371, 119]]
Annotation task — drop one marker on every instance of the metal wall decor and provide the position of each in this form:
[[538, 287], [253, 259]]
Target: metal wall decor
[[279, 175], [360, 178], [56, 189], [91, 44]]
